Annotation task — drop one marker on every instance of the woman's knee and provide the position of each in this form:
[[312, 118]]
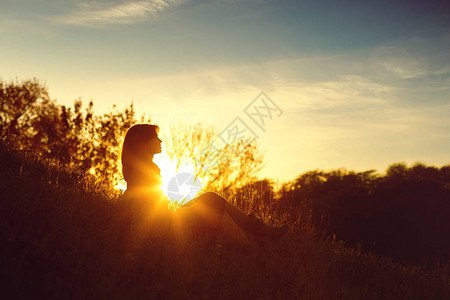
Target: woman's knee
[[211, 198]]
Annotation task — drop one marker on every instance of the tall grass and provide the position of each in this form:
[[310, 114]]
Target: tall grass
[[65, 237]]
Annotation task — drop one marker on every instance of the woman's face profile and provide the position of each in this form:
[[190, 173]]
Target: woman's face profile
[[153, 146]]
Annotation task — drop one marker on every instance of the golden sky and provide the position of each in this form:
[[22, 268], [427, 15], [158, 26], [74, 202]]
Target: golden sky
[[361, 84]]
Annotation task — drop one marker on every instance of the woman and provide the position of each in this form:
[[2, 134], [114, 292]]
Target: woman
[[208, 212]]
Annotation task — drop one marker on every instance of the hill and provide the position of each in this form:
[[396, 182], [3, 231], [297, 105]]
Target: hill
[[63, 236]]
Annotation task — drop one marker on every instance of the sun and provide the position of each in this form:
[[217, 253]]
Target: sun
[[169, 169]]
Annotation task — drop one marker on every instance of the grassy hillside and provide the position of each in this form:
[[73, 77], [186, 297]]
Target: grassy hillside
[[64, 237]]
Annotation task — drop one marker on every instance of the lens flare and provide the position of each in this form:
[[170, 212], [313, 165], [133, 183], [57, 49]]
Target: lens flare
[[169, 169]]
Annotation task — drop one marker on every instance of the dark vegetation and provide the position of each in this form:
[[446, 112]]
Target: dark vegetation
[[65, 237], [64, 233], [78, 138], [74, 136], [404, 214]]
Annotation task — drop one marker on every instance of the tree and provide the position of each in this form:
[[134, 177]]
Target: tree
[[221, 169], [77, 138], [91, 143], [19, 102]]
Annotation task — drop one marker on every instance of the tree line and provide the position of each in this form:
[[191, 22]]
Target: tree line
[[91, 143], [74, 136], [404, 214]]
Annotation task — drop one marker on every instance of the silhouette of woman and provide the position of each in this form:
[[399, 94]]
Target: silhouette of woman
[[209, 211]]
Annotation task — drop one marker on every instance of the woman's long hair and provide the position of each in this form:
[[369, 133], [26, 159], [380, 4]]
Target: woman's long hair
[[134, 156]]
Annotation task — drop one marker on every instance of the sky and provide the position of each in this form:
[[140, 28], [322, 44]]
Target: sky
[[359, 84]]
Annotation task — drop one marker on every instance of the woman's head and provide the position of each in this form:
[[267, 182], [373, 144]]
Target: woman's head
[[140, 144]]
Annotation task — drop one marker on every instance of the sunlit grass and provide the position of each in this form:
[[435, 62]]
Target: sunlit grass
[[121, 185]]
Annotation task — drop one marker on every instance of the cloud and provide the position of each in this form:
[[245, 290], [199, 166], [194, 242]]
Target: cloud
[[31, 27], [98, 14]]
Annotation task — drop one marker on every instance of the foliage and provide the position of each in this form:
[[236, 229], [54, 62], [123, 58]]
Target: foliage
[[76, 137], [404, 214], [80, 139], [64, 237], [225, 169], [20, 103]]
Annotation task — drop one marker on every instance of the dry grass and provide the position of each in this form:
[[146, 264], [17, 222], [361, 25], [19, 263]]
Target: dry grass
[[64, 237]]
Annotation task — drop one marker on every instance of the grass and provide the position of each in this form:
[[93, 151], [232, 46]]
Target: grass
[[65, 237]]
